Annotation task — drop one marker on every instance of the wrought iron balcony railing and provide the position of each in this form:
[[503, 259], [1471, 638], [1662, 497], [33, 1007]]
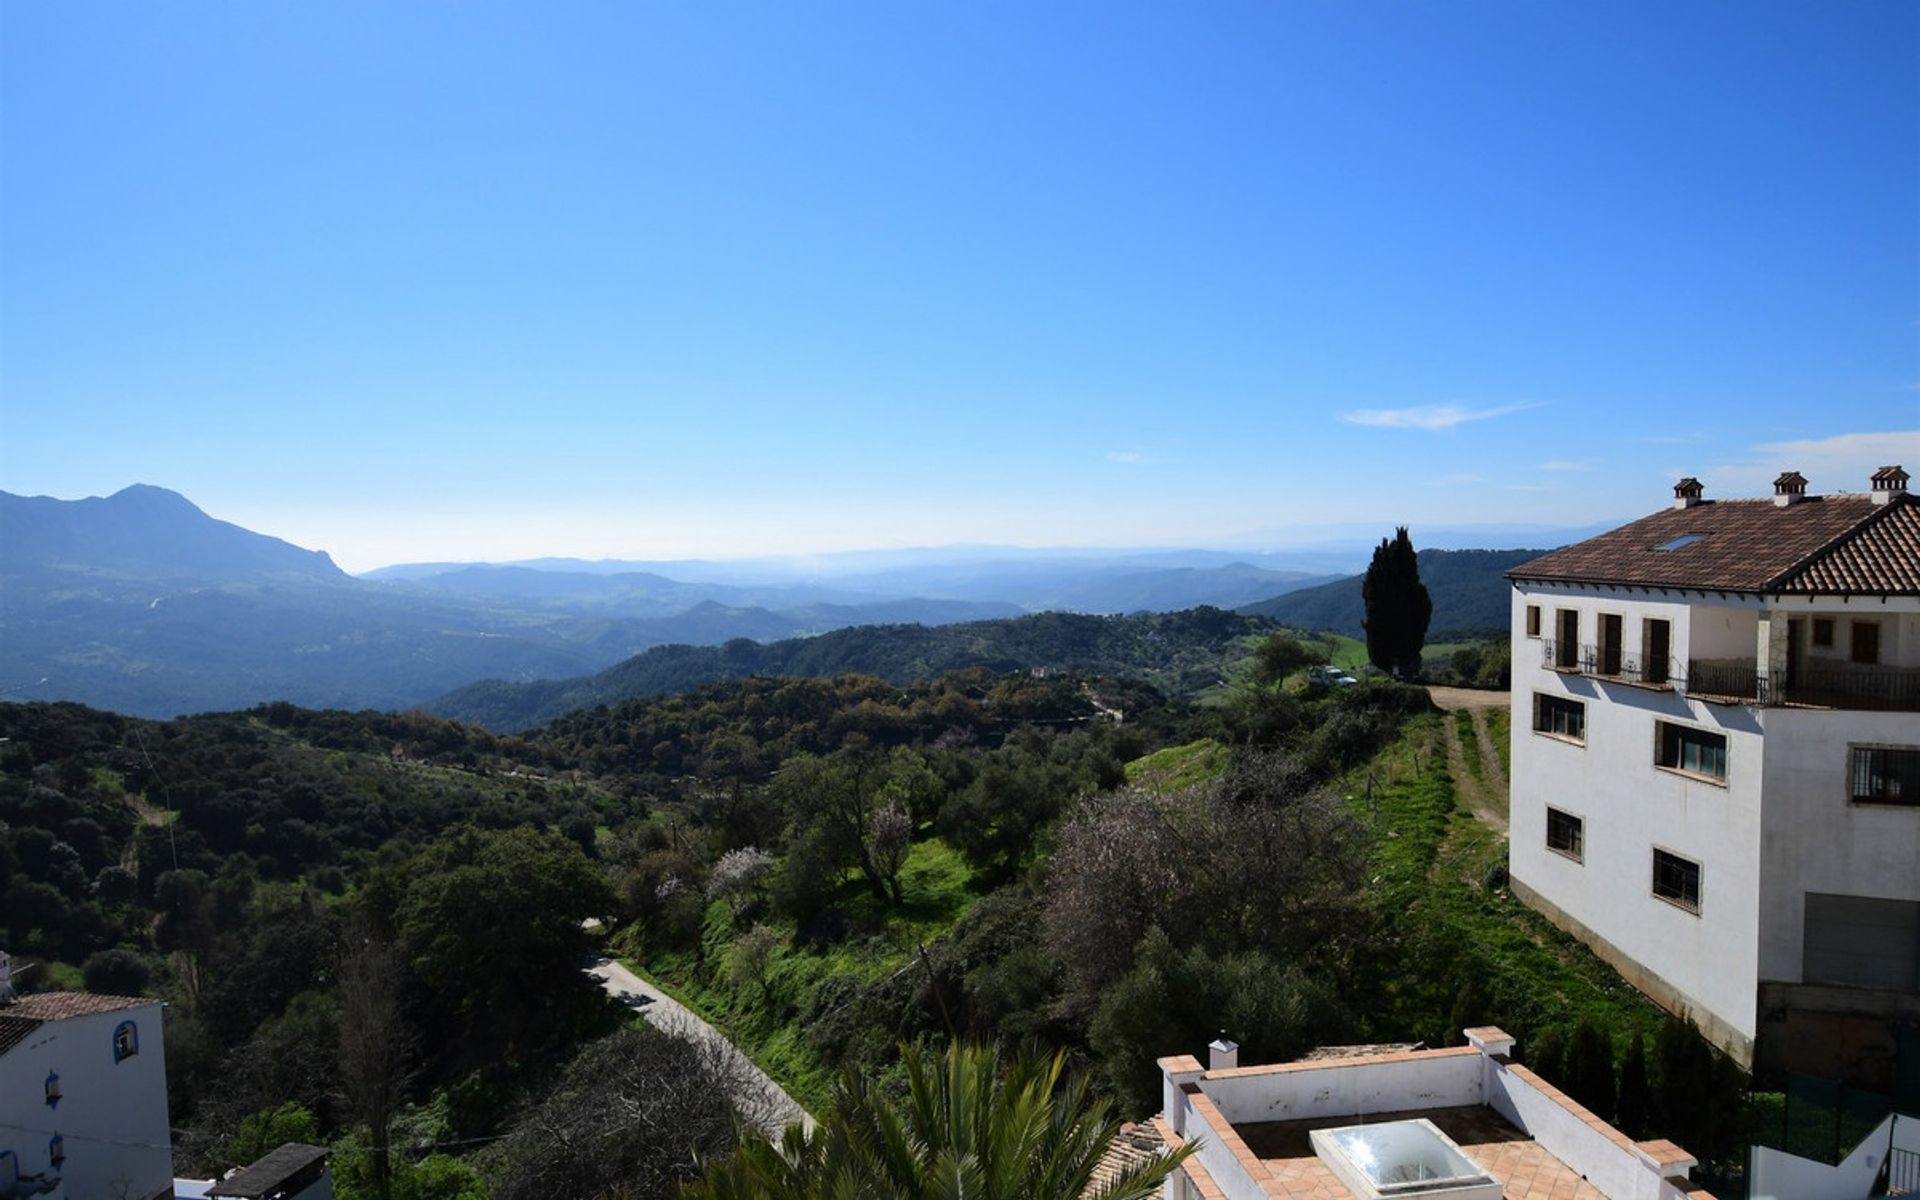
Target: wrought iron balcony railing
[[1880, 689], [1608, 662]]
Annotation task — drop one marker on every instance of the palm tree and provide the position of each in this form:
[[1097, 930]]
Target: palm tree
[[972, 1126]]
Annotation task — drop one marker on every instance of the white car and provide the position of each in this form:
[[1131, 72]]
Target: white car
[[1330, 676]]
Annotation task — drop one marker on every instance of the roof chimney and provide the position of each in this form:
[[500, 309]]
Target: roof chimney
[[1686, 493], [1790, 488], [6, 980], [1889, 482], [1222, 1055]]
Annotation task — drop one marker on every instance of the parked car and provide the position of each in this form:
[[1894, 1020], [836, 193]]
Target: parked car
[[1330, 676]]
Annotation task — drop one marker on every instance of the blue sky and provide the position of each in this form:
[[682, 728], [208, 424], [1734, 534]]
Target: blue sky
[[447, 281]]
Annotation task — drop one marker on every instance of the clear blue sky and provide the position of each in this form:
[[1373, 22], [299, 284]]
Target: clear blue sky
[[436, 280]]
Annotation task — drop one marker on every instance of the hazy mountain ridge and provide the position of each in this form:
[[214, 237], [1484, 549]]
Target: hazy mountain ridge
[[1177, 651], [1468, 587]]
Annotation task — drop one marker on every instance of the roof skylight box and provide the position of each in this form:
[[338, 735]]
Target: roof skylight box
[[1681, 542], [1402, 1160]]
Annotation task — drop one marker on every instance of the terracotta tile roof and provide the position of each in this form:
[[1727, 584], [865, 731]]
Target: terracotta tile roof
[[1882, 556], [1134, 1146], [14, 1030], [58, 1006], [1370, 1049], [1822, 544]]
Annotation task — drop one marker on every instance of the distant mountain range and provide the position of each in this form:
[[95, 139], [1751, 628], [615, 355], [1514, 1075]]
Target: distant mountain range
[[142, 603], [1468, 588]]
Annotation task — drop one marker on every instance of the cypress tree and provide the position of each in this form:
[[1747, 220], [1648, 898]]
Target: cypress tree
[[1636, 1096], [1397, 606], [1590, 1069]]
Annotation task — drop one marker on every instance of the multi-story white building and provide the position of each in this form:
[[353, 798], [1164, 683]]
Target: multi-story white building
[[83, 1097], [1716, 764]]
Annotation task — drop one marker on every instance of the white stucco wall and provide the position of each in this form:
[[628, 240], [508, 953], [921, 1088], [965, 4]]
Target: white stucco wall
[[1607, 1164], [1215, 1153], [111, 1116], [1342, 1088], [1813, 839], [1630, 806]]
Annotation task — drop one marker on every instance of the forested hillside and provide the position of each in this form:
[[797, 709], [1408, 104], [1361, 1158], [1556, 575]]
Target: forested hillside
[[1179, 652], [824, 866], [1468, 587]]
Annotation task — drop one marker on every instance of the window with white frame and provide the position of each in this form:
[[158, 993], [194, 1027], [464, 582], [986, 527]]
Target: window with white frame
[[1690, 751], [1566, 834], [1560, 717], [1883, 774], [1676, 880]]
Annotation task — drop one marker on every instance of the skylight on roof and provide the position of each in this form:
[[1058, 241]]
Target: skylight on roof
[[1681, 542]]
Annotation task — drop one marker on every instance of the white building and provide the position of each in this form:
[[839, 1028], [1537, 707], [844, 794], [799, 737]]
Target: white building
[[83, 1097], [1716, 765], [1465, 1123]]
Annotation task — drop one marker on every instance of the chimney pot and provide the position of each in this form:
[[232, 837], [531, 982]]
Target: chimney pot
[[1222, 1055], [1888, 482], [1790, 488], [1686, 493]]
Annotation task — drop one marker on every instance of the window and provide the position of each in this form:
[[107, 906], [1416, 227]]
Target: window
[[1866, 642], [1883, 775], [1656, 649], [1560, 717], [1676, 880], [53, 1089], [126, 1041], [1566, 651], [1610, 624], [1566, 834], [1681, 542], [1533, 620], [1823, 631], [1695, 751]]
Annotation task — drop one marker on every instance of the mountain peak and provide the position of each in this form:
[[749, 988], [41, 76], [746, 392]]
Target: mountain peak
[[145, 531]]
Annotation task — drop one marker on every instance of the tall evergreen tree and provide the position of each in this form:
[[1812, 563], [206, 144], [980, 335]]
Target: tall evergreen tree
[[1636, 1095], [1397, 604]]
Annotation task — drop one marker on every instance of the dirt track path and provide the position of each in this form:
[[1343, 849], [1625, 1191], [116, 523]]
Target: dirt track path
[[1478, 777]]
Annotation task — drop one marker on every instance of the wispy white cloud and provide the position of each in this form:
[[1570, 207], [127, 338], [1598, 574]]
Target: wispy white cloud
[[1125, 456], [1840, 463], [1431, 417], [1564, 464]]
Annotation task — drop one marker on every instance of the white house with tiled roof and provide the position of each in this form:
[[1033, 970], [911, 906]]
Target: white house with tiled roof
[[83, 1097], [1716, 765], [1466, 1123]]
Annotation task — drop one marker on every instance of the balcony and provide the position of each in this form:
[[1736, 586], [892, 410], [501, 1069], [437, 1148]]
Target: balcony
[[1610, 663], [1873, 689], [1732, 681]]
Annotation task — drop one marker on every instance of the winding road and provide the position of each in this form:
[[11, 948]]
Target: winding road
[[776, 1109]]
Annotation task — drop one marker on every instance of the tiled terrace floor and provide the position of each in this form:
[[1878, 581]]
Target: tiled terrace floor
[[1524, 1168]]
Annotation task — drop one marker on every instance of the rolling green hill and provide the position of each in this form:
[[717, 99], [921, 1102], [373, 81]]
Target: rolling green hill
[[1469, 590], [1180, 652]]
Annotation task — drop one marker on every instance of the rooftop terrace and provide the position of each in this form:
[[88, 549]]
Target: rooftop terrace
[[1255, 1126]]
